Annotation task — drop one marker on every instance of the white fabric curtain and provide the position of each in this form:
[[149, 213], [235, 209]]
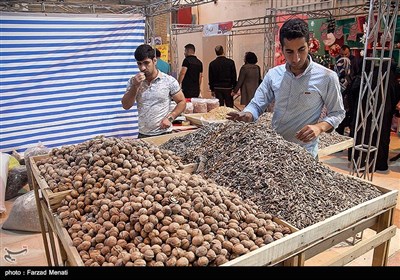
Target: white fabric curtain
[[63, 77]]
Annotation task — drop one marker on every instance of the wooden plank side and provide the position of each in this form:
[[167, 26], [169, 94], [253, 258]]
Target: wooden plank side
[[56, 198], [74, 259], [381, 253], [296, 242], [158, 140], [336, 147], [337, 238], [362, 247], [36, 173], [53, 200], [284, 223], [199, 120], [196, 119]]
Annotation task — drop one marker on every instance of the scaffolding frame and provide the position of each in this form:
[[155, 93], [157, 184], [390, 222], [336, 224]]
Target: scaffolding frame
[[370, 116], [149, 11], [266, 25]]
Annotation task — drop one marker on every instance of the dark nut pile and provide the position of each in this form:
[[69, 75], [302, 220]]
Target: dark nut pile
[[144, 211], [325, 139], [279, 176]]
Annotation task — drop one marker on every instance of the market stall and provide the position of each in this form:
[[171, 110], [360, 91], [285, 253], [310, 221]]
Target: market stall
[[289, 249]]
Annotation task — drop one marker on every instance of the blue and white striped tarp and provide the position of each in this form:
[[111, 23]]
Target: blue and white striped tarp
[[63, 76]]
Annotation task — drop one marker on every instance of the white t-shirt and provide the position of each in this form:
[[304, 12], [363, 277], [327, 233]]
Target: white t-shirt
[[153, 103]]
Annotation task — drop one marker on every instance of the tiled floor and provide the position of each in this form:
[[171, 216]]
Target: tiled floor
[[35, 256]]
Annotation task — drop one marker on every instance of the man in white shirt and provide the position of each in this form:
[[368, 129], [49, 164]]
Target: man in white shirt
[[153, 91]]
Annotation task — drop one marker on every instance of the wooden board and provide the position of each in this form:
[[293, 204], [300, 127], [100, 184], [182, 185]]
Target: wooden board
[[336, 147], [158, 140], [53, 200], [74, 259], [198, 119], [303, 239]]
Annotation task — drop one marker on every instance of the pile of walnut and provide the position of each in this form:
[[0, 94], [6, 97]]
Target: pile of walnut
[[131, 205]]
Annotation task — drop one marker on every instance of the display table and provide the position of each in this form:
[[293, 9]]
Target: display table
[[292, 250]]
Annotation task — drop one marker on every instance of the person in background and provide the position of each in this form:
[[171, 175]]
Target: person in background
[[191, 74], [153, 90], [354, 61], [300, 89], [342, 69], [348, 68], [222, 77], [162, 65], [249, 78]]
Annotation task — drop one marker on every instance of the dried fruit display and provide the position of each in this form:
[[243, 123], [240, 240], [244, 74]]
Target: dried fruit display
[[325, 139], [279, 176], [131, 205]]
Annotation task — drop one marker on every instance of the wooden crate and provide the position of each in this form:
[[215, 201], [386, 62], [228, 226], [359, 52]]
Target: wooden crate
[[298, 247], [294, 249], [58, 243]]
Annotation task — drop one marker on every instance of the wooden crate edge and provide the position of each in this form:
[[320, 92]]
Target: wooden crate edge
[[336, 147], [72, 253], [52, 199], [295, 242]]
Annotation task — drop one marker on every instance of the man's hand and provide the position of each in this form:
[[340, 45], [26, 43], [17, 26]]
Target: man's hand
[[308, 133], [165, 123], [240, 116], [138, 79]]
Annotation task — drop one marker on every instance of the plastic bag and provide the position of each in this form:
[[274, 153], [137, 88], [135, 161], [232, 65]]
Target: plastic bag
[[24, 215], [37, 150], [189, 108], [4, 159], [199, 105], [18, 157], [212, 104], [16, 180], [12, 163]]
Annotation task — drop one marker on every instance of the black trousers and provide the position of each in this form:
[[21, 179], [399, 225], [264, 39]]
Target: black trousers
[[224, 96]]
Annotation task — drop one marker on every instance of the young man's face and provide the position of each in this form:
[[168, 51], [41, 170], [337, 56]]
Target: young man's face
[[295, 52], [147, 66], [345, 53]]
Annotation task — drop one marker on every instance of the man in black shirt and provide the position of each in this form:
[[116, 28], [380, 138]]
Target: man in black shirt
[[222, 77], [191, 73]]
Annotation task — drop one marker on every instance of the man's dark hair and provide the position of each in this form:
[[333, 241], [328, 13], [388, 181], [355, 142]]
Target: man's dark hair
[[293, 29], [144, 51], [219, 50], [190, 47], [158, 53], [345, 47], [250, 57]]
